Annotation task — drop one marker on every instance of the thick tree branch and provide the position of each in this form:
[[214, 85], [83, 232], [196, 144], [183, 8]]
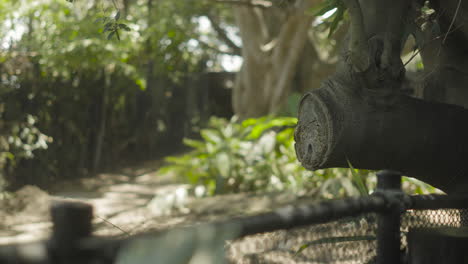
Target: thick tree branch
[[223, 35], [419, 138], [360, 116], [289, 47], [251, 28], [358, 46]]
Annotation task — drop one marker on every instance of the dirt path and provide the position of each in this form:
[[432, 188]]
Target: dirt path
[[132, 201]]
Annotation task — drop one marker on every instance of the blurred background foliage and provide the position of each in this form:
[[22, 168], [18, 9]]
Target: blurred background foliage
[[86, 85], [73, 100]]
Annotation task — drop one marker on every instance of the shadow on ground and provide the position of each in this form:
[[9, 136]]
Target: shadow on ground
[[131, 201]]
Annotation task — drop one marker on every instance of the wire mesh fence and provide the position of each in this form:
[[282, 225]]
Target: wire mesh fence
[[373, 229], [351, 240]]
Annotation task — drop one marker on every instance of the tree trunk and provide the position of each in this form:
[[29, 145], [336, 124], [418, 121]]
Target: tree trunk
[[359, 116], [273, 43], [101, 129]]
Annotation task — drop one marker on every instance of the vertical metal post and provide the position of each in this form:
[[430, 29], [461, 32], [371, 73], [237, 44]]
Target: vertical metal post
[[388, 229], [72, 221]]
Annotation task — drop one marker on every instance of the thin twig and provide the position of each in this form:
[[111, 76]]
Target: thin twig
[[223, 35], [215, 49], [426, 44], [453, 21], [448, 31], [108, 222], [412, 57]]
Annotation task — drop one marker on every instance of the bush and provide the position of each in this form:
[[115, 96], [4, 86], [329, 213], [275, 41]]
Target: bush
[[253, 155]]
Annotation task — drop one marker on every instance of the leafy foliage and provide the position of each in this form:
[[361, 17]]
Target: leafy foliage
[[358, 180], [337, 7], [112, 25], [93, 100], [18, 141], [254, 155]]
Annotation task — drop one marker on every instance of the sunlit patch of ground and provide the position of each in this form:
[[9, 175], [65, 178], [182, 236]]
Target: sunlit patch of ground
[[126, 203]]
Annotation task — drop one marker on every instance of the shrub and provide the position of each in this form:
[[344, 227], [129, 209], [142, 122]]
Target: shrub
[[254, 155], [258, 155]]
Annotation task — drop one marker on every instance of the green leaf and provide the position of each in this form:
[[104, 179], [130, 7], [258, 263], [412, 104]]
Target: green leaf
[[260, 128], [322, 8], [141, 83], [285, 137], [124, 27], [108, 26], [357, 180], [196, 144], [211, 135], [171, 34], [110, 35], [9, 155], [253, 121], [178, 160], [338, 16], [117, 16]]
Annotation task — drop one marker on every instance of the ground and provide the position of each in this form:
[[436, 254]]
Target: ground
[[131, 201]]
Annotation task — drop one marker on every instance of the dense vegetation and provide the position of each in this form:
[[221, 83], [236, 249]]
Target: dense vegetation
[[75, 99]]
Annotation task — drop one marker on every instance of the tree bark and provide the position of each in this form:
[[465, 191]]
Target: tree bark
[[422, 139], [273, 43], [359, 116], [445, 55], [101, 129]]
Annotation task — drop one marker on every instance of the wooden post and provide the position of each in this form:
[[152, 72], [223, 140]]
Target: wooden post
[[72, 221]]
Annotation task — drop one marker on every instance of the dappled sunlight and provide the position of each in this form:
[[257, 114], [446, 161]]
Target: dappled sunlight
[[153, 116], [125, 205]]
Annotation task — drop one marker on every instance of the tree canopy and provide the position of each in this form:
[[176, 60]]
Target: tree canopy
[[87, 78]]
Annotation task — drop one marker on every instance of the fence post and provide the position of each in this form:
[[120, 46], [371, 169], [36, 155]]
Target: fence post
[[388, 229], [72, 221]]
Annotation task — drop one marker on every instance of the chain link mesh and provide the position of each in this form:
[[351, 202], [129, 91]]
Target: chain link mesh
[[348, 241]]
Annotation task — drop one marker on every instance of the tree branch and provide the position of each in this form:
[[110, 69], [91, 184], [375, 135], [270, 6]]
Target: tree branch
[[223, 35], [422, 139], [252, 27], [358, 40], [251, 3], [216, 49]]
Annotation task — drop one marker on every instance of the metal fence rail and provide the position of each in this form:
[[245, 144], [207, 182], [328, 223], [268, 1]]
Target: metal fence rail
[[72, 241]]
